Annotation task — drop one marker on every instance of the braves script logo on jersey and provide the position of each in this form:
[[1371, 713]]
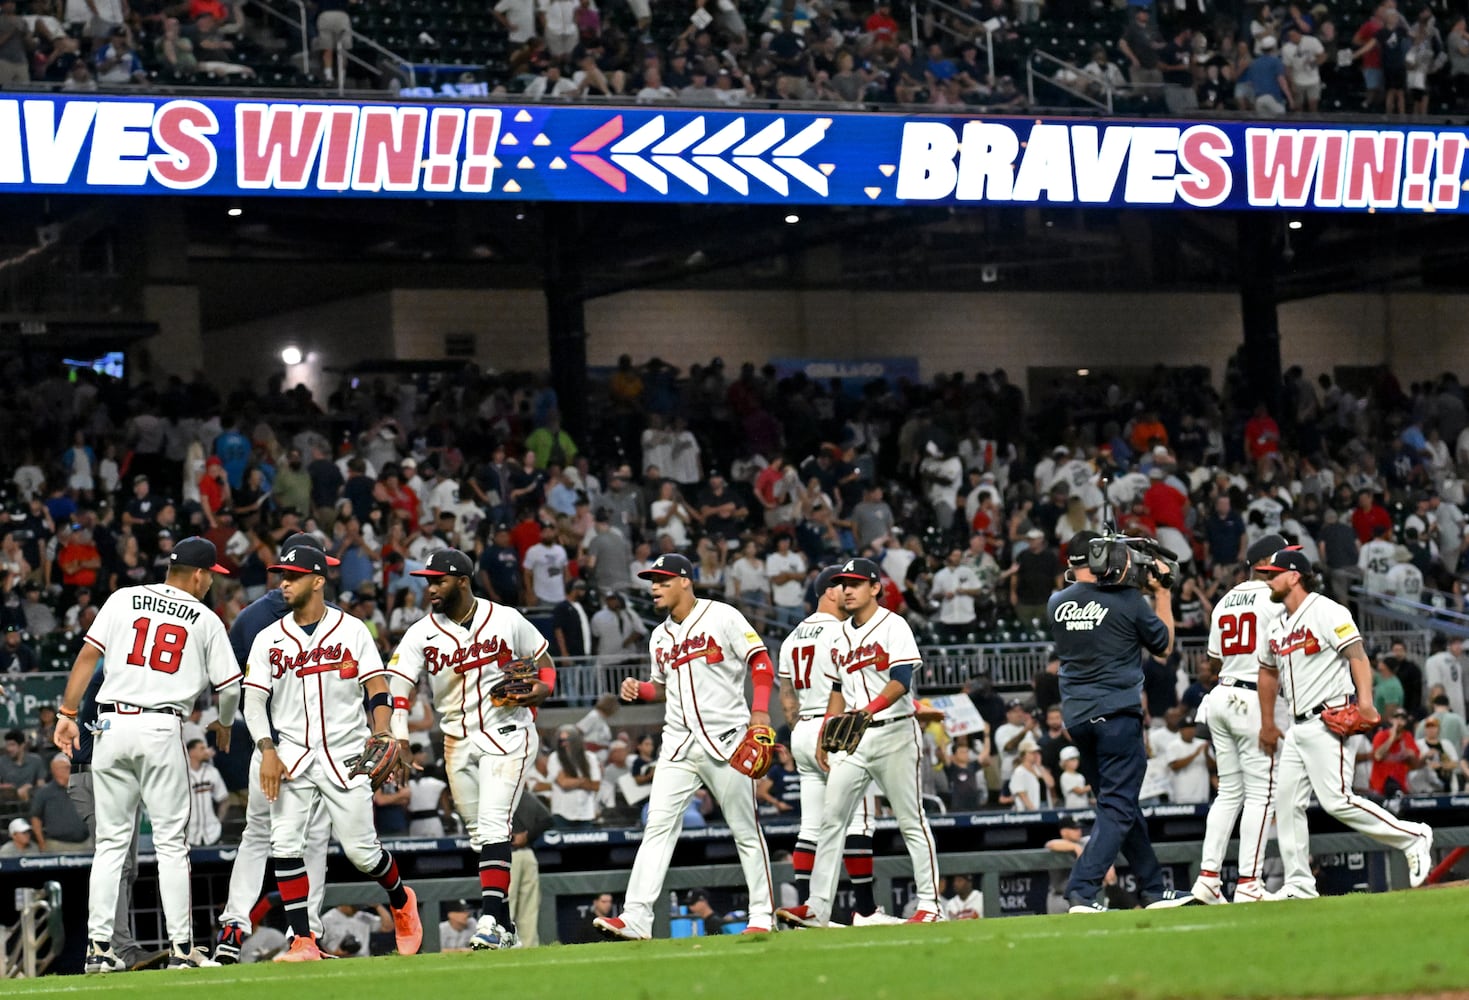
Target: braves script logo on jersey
[[472, 657], [692, 648], [1302, 640], [870, 655], [1080, 618], [317, 660]]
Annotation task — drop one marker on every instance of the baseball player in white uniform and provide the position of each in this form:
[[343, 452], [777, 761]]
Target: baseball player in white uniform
[[804, 666], [1315, 660], [699, 658], [247, 875], [465, 644], [1238, 632], [314, 666], [163, 646], [872, 666]]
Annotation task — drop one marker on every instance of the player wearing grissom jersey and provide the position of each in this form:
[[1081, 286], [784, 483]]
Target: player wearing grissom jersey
[[700, 654], [163, 647], [872, 666], [1238, 632], [464, 645], [804, 670], [314, 667], [1315, 660], [248, 872]]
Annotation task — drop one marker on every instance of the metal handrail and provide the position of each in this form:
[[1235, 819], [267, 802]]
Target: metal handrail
[[342, 54], [963, 15], [1031, 74]]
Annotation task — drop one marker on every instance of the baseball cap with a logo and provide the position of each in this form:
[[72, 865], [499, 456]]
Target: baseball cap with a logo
[[671, 564], [196, 552], [1287, 560], [858, 569], [446, 562], [301, 538], [302, 559]]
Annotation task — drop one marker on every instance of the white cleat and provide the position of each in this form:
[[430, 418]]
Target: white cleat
[[1250, 892], [613, 927], [1287, 893], [102, 959], [1420, 858], [1208, 891], [877, 918]]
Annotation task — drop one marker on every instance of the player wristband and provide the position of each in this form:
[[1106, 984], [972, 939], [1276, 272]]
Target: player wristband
[[646, 691], [66, 713], [547, 676], [876, 705], [400, 704]]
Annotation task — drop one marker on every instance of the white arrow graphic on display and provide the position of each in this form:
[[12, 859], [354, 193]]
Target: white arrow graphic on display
[[707, 153], [785, 156], [746, 152], [665, 154], [651, 154], [624, 150]]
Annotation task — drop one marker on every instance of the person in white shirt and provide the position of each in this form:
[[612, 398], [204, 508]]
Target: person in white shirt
[[552, 84], [1303, 56], [786, 570], [1075, 792], [575, 777], [1445, 669], [955, 587], [1009, 735], [596, 726], [518, 18], [1188, 764], [615, 629], [1375, 559], [966, 903], [559, 18], [545, 568], [456, 931], [425, 798], [745, 579], [1029, 787], [653, 89], [208, 796], [942, 475], [671, 516]]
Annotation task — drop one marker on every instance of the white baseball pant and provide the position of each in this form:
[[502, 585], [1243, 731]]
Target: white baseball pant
[[248, 874], [890, 756], [1313, 758], [349, 809], [804, 739], [140, 756], [487, 786], [674, 785], [1246, 780]]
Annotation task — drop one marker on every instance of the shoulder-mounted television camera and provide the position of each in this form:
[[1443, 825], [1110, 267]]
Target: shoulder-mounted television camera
[[1118, 560]]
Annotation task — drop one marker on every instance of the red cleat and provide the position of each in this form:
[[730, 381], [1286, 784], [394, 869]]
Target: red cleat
[[924, 917], [303, 949], [798, 916], [407, 928], [613, 927]]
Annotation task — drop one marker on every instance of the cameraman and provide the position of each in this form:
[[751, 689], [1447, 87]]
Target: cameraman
[[1099, 633]]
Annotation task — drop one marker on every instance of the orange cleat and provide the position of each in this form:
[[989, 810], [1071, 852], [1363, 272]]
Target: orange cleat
[[303, 949], [407, 928]]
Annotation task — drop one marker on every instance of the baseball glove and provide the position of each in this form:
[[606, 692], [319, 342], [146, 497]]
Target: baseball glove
[[378, 760], [756, 752], [1346, 721], [517, 687], [842, 733]]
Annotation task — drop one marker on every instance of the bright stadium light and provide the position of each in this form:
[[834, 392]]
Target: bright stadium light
[[291, 355], [792, 219], [1295, 223]]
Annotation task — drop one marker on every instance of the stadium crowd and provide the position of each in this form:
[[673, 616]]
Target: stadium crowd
[[961, 488], [1261, 58]]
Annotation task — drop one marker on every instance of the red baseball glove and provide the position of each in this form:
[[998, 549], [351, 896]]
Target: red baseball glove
[[756, 753], [1346, 721]]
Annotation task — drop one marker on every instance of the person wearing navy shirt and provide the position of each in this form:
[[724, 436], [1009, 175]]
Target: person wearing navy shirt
[[499, 569], [1099, 634]]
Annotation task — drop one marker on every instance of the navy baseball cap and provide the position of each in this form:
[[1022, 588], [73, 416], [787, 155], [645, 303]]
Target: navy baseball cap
[[1286, 560], [826, 579], [301, 538], [671, 564], [198, 553], [1265, 547], [1078, 548], [302, 559], [446, 562], [858, 569]]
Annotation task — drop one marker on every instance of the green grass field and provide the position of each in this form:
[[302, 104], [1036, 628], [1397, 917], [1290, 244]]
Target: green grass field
[[1402, 943]]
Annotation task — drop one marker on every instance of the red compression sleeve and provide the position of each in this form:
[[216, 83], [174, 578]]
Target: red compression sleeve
[[876, 705], [762, 673], [646, 691], [547, 676]]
